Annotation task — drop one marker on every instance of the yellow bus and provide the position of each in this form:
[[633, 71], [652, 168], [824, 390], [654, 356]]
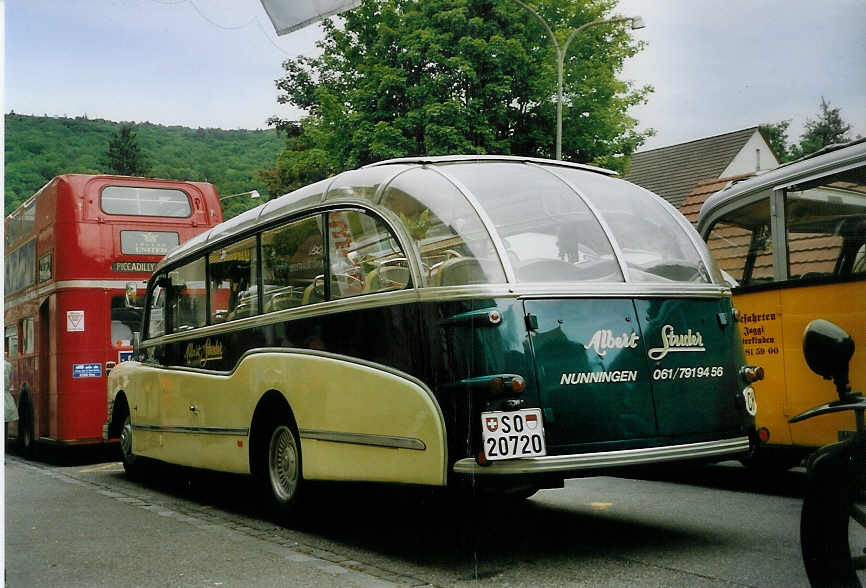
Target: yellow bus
[[792, 244]]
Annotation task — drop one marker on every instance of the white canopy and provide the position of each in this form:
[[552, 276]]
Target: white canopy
[[291, 15]]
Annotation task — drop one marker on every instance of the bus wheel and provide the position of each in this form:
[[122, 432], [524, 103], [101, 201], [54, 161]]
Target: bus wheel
[[282, 473], [26, 440], [133, 465], [833, 528]]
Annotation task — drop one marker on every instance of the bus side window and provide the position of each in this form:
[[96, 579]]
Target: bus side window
[[156, 320], [365, 258], [825, 224], [293, 265], [187, 300], [742, 244], [11, 340], [234, 283], [28, 336]]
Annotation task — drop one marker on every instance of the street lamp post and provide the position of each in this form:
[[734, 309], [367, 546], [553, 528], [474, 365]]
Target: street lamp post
[[252, 193], [636, 23]]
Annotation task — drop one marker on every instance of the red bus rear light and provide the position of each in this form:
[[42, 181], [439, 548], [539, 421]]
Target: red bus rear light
[[764, 434]]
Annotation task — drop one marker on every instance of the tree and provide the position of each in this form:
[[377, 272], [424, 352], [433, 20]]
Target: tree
[[403, 78], [776, 135], [827, 129], [124, 156]]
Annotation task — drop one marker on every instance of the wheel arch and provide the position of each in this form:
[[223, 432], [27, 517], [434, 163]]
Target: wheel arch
[[119, 410], [270, 408]]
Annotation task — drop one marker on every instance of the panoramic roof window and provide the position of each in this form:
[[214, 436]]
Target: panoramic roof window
[[656, 248], [455, 247], [549, 233], [138, 201]]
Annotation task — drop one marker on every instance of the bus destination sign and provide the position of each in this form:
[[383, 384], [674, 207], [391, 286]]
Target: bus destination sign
[[126, 267]]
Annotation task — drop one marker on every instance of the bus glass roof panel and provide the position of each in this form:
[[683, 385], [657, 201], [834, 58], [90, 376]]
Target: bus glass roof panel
[[286, 204], [454, 245], [549, 233], [362, 184], [655, 246]]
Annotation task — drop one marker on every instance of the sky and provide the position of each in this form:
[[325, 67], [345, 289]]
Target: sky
[[716, 65]]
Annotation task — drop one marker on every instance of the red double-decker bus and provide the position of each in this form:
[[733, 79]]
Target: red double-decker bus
[[77, 257]]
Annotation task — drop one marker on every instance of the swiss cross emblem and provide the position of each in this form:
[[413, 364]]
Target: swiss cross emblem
[[492, 424]]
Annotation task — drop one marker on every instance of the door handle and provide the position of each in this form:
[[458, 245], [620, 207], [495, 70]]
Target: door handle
[[192, 408]]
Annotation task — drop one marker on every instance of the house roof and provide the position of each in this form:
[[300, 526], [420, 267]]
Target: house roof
[[672, 172], [691, 208]]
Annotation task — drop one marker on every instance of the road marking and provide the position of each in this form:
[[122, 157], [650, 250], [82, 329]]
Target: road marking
[[601, 506], [106, 467]]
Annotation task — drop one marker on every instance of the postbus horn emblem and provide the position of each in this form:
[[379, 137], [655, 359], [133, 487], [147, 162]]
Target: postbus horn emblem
[[492, 424]]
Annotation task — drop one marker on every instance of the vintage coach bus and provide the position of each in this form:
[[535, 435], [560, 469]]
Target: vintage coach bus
[[794, 241], [427, 321], [78, 254]]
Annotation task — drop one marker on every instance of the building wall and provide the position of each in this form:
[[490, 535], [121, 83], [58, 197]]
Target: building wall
[[755, 156]]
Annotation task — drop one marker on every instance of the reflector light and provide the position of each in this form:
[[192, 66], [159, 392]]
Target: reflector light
[[494, 317], [481, 459], [764, 434], [752, 374]]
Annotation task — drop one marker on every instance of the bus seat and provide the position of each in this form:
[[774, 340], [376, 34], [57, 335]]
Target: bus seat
[[458, 271], [386, 278], [313, 293]]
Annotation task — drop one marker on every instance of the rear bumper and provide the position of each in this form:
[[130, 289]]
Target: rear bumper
[[607, 459]]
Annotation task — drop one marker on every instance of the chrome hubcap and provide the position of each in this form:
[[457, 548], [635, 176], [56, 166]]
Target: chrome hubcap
[[126, 441], [283, 463]]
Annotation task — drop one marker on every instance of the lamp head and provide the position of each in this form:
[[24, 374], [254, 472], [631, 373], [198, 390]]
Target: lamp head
[[637, 22]]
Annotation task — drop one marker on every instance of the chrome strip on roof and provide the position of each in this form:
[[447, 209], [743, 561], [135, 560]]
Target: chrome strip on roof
[[604, 459], [433, 159]]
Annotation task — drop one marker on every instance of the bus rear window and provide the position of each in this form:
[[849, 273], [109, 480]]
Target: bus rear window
[[147, 242], [138, 201]]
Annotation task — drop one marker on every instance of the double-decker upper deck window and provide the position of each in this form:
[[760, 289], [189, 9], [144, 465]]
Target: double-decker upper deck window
[[138, 201]]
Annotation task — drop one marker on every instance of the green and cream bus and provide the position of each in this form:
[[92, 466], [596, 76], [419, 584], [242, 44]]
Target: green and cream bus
[[428, 321]]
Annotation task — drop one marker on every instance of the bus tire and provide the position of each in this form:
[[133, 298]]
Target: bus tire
[[824, 526], [26, 440], [133, 465], [280, 474]]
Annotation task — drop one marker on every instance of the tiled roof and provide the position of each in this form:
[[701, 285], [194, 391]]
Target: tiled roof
[[808, 253], [691, 208], [672, 172]]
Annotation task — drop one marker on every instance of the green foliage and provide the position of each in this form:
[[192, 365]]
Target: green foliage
[[776, 135], [405, 78], [827, 129], [39, 148], [124, 156]]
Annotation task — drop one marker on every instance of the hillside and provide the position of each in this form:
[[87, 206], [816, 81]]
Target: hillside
[[39, 148]]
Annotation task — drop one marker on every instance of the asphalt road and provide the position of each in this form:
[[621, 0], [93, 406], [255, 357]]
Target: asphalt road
[[78, 522]]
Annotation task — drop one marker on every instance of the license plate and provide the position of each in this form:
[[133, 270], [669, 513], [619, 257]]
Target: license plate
[[514, 434]]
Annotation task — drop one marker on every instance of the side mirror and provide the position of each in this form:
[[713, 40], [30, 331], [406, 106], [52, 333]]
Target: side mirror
[[828, 350]]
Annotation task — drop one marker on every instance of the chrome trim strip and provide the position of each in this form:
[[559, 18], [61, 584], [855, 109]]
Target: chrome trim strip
[[608, 233], [365, 301], [194, 430], [604, 459], [389, 441], [486, 222]]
